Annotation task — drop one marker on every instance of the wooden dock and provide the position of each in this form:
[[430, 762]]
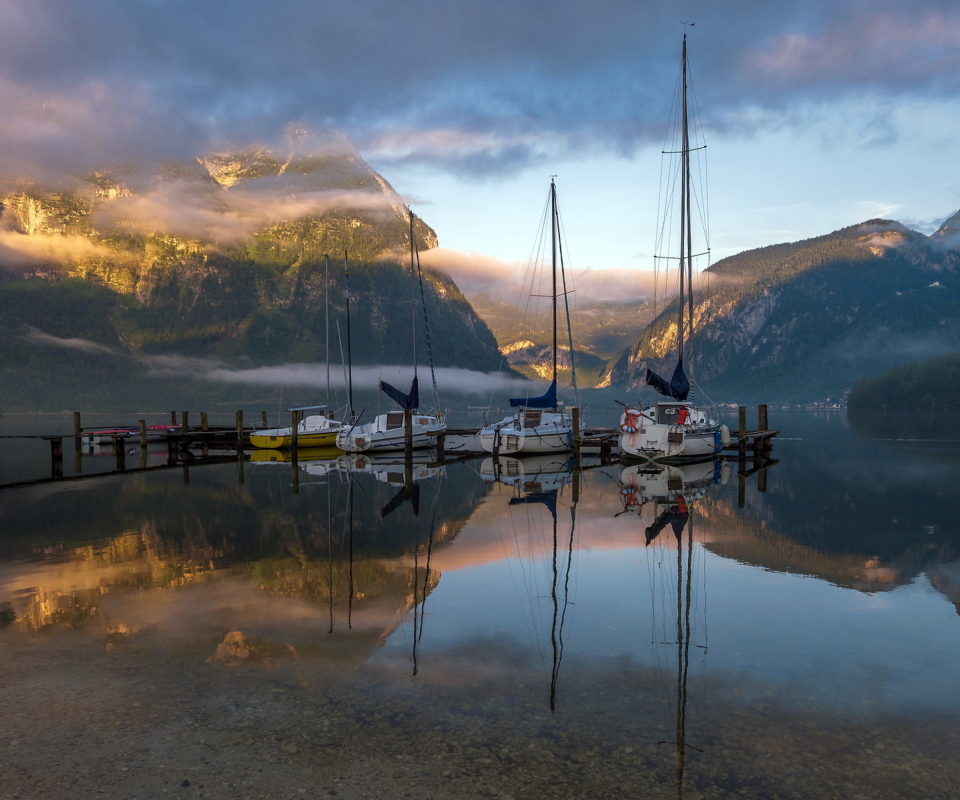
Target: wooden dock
[[192, 445]]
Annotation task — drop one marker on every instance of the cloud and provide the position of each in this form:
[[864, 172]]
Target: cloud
[[450, 379], [33, 335], [18, 250], [481, 86], [509, 282], [194, 211]]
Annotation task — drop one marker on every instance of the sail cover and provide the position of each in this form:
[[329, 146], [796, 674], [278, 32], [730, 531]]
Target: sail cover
[[678, 387], [410, 401], [546, 400]]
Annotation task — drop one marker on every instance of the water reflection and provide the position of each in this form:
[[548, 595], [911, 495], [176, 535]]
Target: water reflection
[[473, 610]]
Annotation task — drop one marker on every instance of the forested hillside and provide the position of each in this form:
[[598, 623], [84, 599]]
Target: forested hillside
[[225, 259], [806, 320]]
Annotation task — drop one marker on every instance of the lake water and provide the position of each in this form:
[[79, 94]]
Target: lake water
[[518, 630]]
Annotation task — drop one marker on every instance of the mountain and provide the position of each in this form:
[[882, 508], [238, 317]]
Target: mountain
[[222, 259], [600, 329], [806, 320]]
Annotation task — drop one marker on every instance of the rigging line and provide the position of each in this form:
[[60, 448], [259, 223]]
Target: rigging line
[[416, 588], [330, 555], [566, 305], [426, 329]]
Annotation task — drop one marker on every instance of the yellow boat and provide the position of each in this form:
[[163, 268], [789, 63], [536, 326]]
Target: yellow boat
[[314, 431]]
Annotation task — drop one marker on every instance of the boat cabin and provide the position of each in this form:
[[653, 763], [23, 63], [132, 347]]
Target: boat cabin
[[669, 413]]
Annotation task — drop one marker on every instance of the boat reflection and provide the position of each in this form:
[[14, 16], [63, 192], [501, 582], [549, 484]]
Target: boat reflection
[[671, 494], [541, 473]]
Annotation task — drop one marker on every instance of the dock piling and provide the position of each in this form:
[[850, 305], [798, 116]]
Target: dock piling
[[56, 457], [742, 433], [142, 425], [77, 431], [263, 418], [203, 421], [294, 430], [240, 431], [408, 436], [184, 427]]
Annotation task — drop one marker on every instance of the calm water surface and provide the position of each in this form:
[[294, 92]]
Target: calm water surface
[[515, 630]]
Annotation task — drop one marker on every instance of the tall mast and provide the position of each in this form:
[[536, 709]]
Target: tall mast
[[413, 296], [553, 244], [326, 318], [684, 198], [689, 193], [346, 278]]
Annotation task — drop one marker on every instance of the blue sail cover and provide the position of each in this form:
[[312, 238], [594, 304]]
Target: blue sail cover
[[678, 387], [547, 400], [411, 401], [549, 499]]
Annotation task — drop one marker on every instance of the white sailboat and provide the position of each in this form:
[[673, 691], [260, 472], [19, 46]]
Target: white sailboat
[[675, 430], [389, 431], [539, 425]]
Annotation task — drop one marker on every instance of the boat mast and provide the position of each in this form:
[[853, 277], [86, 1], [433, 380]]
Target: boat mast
[[413, 295], [326, 318], [553, 244], [688, 192], [346, 278], [684, 198]]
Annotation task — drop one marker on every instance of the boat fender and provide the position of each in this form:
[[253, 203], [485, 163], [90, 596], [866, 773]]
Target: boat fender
[[724, 435], [725, 473]]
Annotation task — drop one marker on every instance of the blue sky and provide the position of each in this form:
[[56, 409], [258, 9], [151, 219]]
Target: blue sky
[[817, 114]]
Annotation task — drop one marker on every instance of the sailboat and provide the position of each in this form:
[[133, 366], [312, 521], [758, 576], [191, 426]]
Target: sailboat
[[390, 431], [675, 430], [539, 425]]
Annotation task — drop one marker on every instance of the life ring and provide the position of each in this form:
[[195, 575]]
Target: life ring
[[630, 420]]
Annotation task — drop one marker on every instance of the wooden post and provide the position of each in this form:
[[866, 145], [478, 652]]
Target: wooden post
[[186, 473], [263, 418], [762, 417], [56, 457], [203, 421], [442, 447], [741, 488], [184, 427], [408, 435], [294, 431], [142, 425], [762, 480], [742, 435], [77, 433], [240, 430], [143, 458], [173, 417], [240, 465], [171, 449]]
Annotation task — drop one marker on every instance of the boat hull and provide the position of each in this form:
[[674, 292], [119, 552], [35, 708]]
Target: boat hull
[[653, 443], [513, 442], [385, 435], [282, 442], [529, 431]]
